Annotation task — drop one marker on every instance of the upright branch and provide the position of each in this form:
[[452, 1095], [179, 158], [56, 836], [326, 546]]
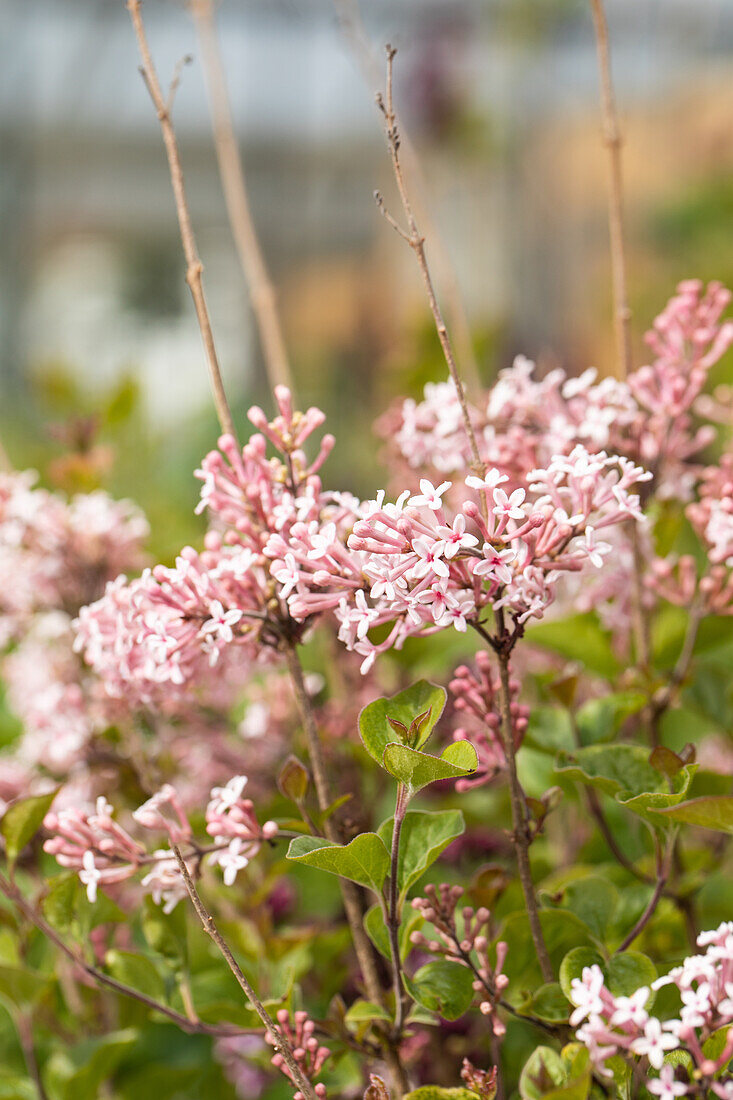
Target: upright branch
[[613, 141], [416, 241], [352, 27], [393, 910], [664, 866], [261, 289], [349, 892], [194, 267], [281, 1043], [521, 835]]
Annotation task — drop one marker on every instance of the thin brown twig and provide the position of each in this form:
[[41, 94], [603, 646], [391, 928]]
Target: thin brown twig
[[613, 142], [349, 893], [24, 1026], [352, 27], [194, 267], [521, 832], [277, 1039], [261, 290], [663, 868], [14, 895], [417, 243], [393, 911]]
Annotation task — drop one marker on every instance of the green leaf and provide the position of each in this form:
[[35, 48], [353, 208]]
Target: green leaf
[[611, 768], [377, 932], [59, 904], [624, 973], [423, 837], [136, 971], [600, 719], [362, 1012], [443, 987], [625, 773], [714, 1046], [574, 964], [711, 812], [593, 899], [292, 779], [17, 1088], [166, 933], [22, 820], [543, 1072], [436, 1092], [549, 1003], [552, 1076], [78, 1073], [365, 860], [418, 769], [21, 986], [562, 931], [375, 729], [577, 638]]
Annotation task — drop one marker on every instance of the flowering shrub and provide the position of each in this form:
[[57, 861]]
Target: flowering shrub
[[577, 834], [538, 904]]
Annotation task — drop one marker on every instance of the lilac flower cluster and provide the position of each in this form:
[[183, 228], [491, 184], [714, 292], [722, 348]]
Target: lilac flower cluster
[[103, 853], [624, 1025]]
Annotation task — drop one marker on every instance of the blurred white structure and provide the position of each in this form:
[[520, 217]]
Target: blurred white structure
[[85, 196]]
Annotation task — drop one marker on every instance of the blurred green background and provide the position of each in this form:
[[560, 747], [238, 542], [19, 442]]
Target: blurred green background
[[99, 351]]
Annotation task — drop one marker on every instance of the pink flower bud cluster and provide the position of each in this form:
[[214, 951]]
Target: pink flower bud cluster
[[477, 695], [438, 907], [624, 1024], [103, 853], [309, 1054]]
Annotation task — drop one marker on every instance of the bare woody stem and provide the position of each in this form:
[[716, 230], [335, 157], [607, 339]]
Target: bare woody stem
[[14, 895], [613, 141], [664, 863], [349, 893], [520, 822], [194, 267], [261, 289], [279, 1041], [351, 24], [24, 1025], [416, 242], [393, 911]]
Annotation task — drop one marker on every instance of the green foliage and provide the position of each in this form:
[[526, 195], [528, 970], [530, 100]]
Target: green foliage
[[562, 931], [577, 638], [77, 1073], [421, 698], [624, 973], [593, 900], [418, 769], [376, 929], [443, 987], [22, 987], [565, 1076], [423, 837], [22, 820], [365, 860], [714, 812], [625, 772]]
